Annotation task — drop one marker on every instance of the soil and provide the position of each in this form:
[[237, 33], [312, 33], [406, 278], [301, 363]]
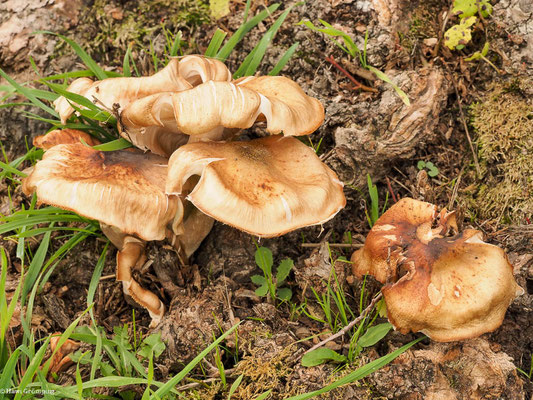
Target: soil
[[364, 132]]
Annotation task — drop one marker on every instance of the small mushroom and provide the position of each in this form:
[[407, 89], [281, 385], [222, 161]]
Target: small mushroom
[[266, 187], [64, 136], [217, 111], [448, 287], [176, 76], [124, 190]]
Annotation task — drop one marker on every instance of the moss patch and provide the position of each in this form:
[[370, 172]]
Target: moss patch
[[503, 122]]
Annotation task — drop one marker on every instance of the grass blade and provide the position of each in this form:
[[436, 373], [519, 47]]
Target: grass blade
[[86, 58], [215, 43], [167, 387], [385, 78], [226, 50], [359, 373], [28, 93], [284, 60], [114, 145]]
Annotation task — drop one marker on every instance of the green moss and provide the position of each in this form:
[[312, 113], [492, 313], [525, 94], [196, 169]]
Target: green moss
[[503, 121]]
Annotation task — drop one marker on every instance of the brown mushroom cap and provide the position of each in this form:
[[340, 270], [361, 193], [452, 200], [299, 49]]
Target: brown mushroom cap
[[266, 187], [209, 110], [450, 288], [176, 76], [63, 136], [458, 288], [123, 189]]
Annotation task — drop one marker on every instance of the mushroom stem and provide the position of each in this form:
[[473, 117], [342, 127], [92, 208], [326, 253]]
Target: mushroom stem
[[132, 256]]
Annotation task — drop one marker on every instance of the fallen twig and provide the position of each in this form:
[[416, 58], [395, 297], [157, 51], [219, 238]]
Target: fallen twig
[[390, 190], [349, 326], [358, 85]]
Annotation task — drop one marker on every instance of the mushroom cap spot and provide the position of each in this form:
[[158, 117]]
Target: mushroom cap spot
[[266, 187], [63, 136], [176, 76], [124, 189], [214, 110]]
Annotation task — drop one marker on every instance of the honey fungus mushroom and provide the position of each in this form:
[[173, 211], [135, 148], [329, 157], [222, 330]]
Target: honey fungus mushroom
[[214, 111], [266, 187], [177, 75], [124, 190], [448, 287]]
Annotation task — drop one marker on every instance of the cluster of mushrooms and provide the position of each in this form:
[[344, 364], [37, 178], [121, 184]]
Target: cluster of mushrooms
[[186, 171], [448, 285]]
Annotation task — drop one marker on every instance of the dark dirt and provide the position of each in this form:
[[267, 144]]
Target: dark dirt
[[364, 132]]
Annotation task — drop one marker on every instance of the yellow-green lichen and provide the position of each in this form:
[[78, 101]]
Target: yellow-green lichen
[[503, 121]]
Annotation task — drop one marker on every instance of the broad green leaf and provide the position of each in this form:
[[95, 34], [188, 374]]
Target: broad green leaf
[[374, 334], [284, 269], [321, 356], [263, 258], [235, 385], [258, 280], [262, 290], [284, 294]]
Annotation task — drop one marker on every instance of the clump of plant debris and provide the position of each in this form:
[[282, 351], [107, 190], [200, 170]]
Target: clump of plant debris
[[504, 123]]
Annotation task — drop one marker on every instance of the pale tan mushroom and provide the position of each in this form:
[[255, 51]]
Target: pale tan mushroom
[[448, 287], [124, 190], [215, 111], [266, 187], [64, 136], [176, 76]]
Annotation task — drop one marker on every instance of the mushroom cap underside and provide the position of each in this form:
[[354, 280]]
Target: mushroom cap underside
[[266, 187], [123, 189]]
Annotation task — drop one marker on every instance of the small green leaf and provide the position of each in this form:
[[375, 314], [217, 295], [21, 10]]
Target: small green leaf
[[235, 385], [421, 165], [284, 269], [284, 294], [479, 55], [264, 395], [374, 334], [321, 356], [263, 258], [261, 291], [258, 280]]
